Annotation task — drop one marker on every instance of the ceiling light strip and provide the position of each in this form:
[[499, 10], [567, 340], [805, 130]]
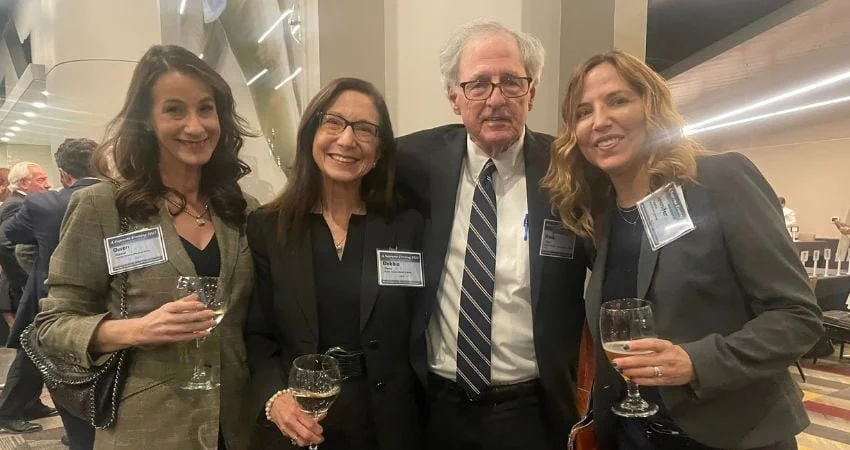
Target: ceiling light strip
[[833, 101]]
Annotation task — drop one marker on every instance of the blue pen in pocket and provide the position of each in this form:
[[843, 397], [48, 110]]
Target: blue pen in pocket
[[525, 226]]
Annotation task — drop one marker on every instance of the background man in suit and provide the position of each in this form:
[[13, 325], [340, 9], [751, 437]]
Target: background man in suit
[[37, 223], [18, 405], [500, 320], [24, 178]]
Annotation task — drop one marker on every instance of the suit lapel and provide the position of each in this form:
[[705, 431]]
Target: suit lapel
[[446, 164], [177, 255], [536, 165], [646, 267], [297, 269], [228, 244], [379, 236], [593, 297]]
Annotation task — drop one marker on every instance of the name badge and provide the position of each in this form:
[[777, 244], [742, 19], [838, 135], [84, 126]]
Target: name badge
[[665, 215], [397, 268], [135, 250], [556, 241]]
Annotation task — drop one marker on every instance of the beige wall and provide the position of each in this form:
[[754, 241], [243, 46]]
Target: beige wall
[[807, 160]]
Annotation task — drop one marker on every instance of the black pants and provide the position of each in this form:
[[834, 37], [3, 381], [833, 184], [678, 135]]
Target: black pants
[[23, 388], [456, 423], [80, 433]]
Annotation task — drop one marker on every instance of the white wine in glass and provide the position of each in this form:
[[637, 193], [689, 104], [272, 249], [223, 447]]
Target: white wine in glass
[[622, 321], [206, 288], [314, 382]]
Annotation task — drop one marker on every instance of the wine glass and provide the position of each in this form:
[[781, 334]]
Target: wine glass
[[206, 289], [621, 321], [314, 382]]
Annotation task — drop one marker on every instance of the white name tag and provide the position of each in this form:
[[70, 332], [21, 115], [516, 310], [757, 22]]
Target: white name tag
[[665, 215], [556, 241], [400, 269], [135, 250]]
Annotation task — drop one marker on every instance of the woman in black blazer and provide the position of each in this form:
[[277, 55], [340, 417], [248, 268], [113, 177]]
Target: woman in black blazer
[[315, 250], [731, 301]]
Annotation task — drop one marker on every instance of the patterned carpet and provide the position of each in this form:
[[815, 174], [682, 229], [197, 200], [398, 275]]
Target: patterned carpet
[[827, 398], [48, 438]]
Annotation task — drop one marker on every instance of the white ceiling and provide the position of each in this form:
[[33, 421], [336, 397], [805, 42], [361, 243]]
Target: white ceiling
[[802, 50]]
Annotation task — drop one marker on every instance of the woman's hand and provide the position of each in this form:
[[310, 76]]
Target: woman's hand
[[185, 319], [294, 423], [667, 365]]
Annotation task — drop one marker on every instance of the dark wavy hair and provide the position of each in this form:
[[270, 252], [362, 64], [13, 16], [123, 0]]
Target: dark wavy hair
[[74, 157], [304, 188], [129, 154]]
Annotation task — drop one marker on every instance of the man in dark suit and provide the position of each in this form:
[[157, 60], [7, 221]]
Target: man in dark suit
[[37, 223], [20, 400], [496, 337]]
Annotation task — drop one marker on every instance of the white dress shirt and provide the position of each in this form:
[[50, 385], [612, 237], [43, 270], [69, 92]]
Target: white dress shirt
[[512, 337]]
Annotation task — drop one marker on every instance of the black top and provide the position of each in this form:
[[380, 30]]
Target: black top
[[207, 261], [338, 283], [624, 242]]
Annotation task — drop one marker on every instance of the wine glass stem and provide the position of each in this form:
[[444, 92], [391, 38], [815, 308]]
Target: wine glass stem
[[315, 446], [632, 389]]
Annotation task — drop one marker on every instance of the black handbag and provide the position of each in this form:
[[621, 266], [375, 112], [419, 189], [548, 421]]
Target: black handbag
[[89, 393]]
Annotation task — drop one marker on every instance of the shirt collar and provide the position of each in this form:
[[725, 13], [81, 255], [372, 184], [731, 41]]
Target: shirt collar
[[508, 163]]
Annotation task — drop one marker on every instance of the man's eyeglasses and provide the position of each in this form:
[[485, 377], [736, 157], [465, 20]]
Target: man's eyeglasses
[[336, 125], [511, 87]]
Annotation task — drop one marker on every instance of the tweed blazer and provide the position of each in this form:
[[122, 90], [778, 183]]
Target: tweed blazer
[[154, 411]]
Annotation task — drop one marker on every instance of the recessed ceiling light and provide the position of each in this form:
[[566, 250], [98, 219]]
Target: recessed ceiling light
[[29, 114], [15, 128], [45, 93], [10, 134], [39, 105], [4, 139], [21, 122], [201, 56]]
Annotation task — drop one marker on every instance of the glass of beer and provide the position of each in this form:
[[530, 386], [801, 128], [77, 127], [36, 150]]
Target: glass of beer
[[621, 321]]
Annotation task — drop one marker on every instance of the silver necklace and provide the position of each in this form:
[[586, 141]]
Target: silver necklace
[[624, 211]]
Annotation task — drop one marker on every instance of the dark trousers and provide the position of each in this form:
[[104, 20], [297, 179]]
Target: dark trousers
[[456, 423], [80, 433], [23, 388]]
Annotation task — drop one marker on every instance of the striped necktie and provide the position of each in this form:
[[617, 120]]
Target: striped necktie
[[476, 300]]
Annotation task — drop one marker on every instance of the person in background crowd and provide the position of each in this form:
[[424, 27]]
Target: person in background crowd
[[4, 184], [317, 280], [790, 215], [175, 146], [37, 223], [496, 335], [20, 401], [731, 300]]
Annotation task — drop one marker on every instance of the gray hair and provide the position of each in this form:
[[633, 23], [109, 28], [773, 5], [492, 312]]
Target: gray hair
[[20, 172], [530, 49]]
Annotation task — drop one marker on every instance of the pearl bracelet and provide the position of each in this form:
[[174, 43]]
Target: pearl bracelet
[[270, 402]]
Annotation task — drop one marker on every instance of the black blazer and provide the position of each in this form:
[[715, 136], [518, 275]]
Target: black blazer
[[12, 270], [37, 223], [430, 164], [283, 320], [735, 296]]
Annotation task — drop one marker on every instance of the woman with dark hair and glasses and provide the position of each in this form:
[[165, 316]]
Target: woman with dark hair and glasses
[[172, 155], [316, 251]]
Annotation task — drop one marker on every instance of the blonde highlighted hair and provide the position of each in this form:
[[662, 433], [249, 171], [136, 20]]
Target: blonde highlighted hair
[[579, 190]]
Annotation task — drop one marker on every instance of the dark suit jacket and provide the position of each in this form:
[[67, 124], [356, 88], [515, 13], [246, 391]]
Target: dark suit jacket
[[430, 164], [283, 320], [37, 223], [12, 270], [735, 296]]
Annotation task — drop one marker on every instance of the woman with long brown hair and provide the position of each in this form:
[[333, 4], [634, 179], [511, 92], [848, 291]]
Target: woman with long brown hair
[[172, 156], [730, 298], [318, 290]]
